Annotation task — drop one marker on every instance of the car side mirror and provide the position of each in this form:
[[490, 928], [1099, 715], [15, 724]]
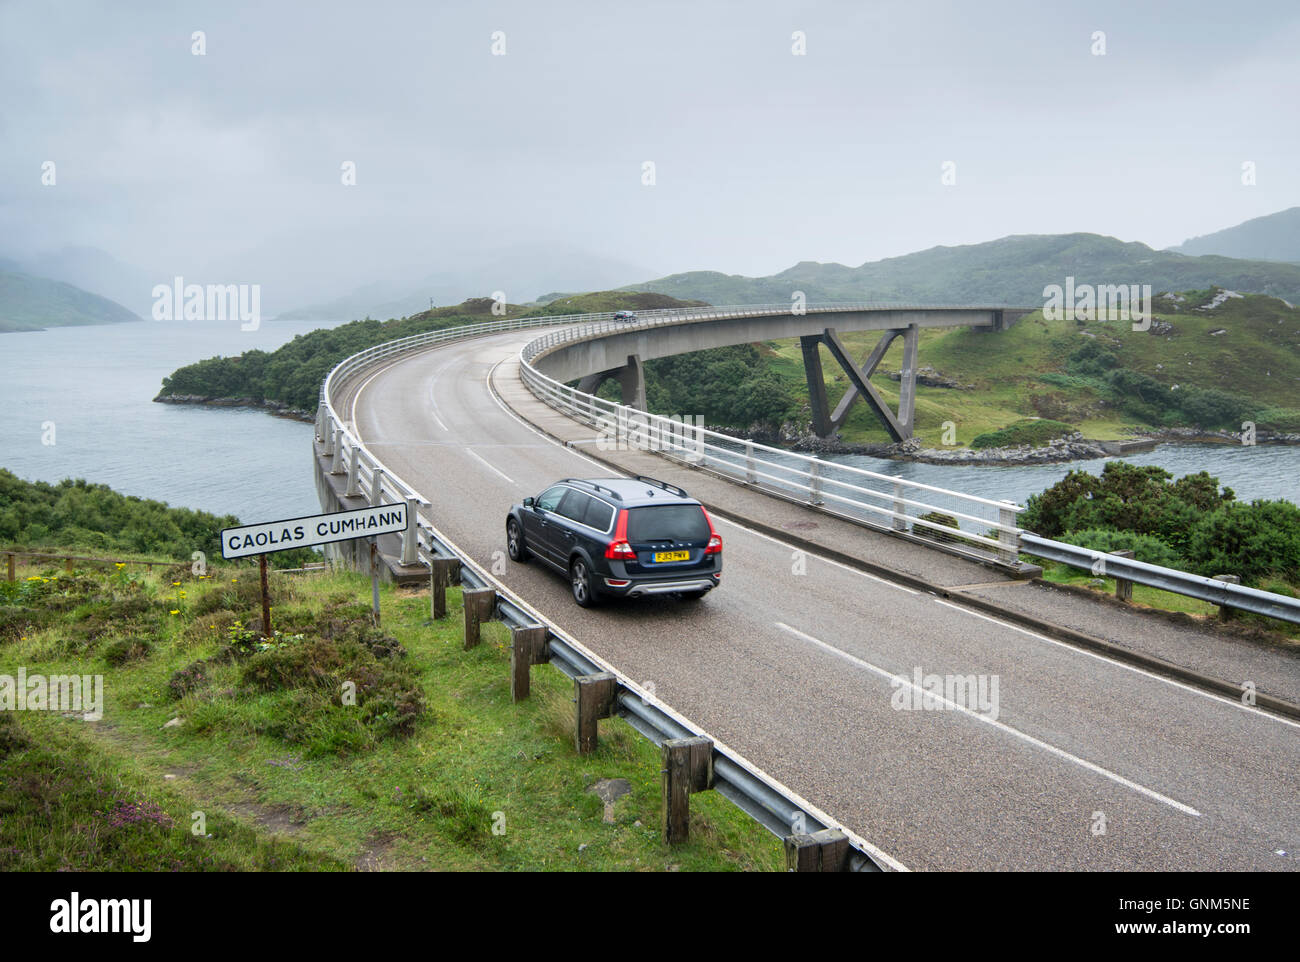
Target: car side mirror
[[529, 502]]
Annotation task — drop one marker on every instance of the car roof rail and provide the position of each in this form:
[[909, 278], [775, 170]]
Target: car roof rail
[[599, 487], [671, 488]]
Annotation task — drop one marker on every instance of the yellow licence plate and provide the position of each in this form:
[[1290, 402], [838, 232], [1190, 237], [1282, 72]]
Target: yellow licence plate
[[672, 556]]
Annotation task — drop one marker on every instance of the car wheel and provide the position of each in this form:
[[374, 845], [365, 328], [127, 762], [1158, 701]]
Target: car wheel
[[515, 542], [582, 583]]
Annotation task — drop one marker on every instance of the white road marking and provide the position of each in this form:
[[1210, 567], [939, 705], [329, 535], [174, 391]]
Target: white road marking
[[480, 460], [1119, 664], [1000, 726], [433, 407]]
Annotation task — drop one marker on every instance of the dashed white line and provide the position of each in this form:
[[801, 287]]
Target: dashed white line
[[897, 680], [1119, 664]]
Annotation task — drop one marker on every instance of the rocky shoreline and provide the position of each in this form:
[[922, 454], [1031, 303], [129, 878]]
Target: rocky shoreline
[[1073, 447], [275, 408]]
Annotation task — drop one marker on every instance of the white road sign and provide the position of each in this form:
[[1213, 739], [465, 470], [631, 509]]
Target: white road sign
[[271, 536]]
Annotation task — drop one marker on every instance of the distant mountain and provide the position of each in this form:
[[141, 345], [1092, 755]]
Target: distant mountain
[[97, 272], [1011, 270], [521, 272], [1275, 237], [30, 303]]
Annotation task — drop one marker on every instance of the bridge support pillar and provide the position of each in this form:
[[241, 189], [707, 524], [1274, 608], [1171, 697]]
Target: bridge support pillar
[[907, 381], [859, 382], [900, 427], [631, 382], [812, 369]]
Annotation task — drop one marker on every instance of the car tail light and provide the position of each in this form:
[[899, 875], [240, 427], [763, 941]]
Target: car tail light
[[715, 541], [619, 549]]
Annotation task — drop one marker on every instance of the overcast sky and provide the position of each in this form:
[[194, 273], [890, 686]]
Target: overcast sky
[[226, 166]]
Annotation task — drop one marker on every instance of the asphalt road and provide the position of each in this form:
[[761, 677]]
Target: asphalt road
[[1086, 765]]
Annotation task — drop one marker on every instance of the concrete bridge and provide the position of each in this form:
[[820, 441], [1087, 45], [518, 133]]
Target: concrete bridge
[[614, 356]]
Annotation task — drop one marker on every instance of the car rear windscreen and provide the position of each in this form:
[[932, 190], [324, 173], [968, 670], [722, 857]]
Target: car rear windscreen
[[671, 522]]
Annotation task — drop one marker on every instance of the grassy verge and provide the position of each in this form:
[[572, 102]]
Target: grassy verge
[[432, 768], [1147, 597]]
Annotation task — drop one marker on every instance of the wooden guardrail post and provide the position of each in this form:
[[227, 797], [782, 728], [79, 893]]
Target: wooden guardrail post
[[1123, 587], [479, 603], [1226, 613], [10, 565], [688, 767], [67, 565], [527, 648], [824, 851], [594, 698], [440, 574]]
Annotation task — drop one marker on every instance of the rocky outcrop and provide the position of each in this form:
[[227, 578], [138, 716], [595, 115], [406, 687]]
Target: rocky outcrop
[[271, 407]]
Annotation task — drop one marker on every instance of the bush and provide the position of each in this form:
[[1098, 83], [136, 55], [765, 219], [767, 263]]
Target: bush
[[1278, 419], [126, 649], [1091, 360], [1034, 432], [1145, 547], [1132, 385], [188, 679], [1248, 540], [1210, 408], [1125, 497], [12, 738]]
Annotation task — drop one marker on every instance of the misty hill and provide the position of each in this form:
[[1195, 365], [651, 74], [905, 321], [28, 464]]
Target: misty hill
[[1275, 237], [98, 272], [30, 303], [521, 271], [1010, 270], [599, 302]]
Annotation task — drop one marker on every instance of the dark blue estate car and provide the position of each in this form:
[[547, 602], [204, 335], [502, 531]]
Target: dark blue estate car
[[619, 538]]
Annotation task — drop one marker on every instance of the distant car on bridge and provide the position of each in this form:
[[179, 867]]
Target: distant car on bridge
[[624, 316], [619, 538]]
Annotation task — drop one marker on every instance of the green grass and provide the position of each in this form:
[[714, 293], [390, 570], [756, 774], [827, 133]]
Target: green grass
[[1147, 597], [288, 777], [1034, 432]]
